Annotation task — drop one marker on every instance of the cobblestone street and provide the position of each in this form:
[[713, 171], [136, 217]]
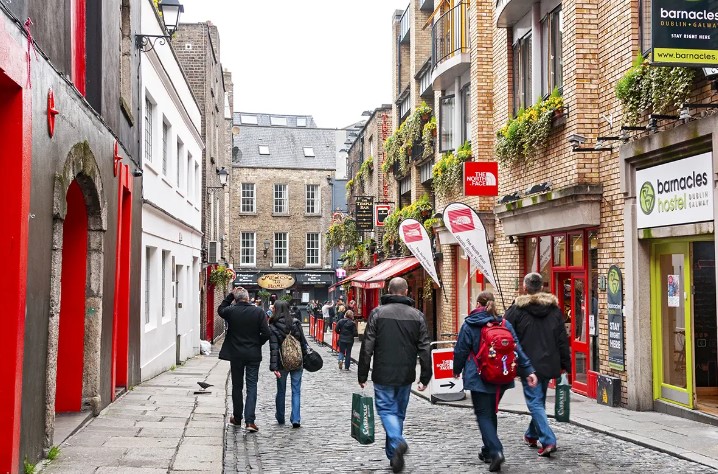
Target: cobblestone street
[[441, 438]]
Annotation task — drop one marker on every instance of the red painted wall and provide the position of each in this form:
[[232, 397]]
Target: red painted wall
[[70, 351], [15, 163], [79, 49], [121, 319], [211, 308]]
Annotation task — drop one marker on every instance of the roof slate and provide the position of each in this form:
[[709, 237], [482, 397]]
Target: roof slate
[[286, 147]]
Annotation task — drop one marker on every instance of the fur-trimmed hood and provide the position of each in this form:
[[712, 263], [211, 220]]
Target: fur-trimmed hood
[[538, 304]]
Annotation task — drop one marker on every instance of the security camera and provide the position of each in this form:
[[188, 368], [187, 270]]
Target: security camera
[[137, 173], [576, 140]]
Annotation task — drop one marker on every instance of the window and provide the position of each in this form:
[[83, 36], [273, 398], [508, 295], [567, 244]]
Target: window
[[165, 148], [313, 202], [372, 151], [644, 15], [447, 123], [149, 251], [247, 248], [552, 52], [301, 121], [313, 248], [466, 112], [281, 204], [248, 119], [264, 149], [179, 175], [309, 151], [280, 249], [248, 195], [165, 281], [149, 112], [190, 183], [278, 121], [198, 183], [522, 73]]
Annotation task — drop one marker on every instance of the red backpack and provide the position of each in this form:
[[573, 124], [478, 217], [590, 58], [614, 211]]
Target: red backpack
[[496, 359]]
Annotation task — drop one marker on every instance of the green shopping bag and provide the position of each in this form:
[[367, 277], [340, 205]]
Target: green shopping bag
[[563, 400], [362, 418]]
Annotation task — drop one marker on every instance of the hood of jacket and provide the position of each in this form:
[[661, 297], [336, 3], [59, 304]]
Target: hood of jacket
[[540, 304], [479, 317], [401, 299]]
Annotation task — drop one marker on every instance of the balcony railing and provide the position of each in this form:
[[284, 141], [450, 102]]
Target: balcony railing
[[450, 34], [404, 26]]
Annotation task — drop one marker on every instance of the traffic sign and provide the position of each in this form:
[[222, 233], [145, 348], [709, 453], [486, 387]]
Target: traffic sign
[[442, 365]]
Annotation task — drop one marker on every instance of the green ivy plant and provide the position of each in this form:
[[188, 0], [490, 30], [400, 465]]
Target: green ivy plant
[[342, 233], [447, 173], [220, 276], [365, 170], [421, 209], [398, 147], [652, 89], [358, 255], [524, 137]]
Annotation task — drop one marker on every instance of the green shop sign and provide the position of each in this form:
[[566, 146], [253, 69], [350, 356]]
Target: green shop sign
[[685, 32], [614, 296]]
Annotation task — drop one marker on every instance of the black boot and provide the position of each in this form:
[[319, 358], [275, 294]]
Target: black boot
[[496, 462]]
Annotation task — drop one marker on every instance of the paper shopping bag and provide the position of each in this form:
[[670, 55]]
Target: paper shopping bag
[[362, 418], [563, 400]]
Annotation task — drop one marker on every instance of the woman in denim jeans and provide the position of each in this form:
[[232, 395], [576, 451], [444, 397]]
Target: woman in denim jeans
[[281, 324]]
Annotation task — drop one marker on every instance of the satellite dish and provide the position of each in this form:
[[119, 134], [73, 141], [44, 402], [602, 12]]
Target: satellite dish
[[235, 130]]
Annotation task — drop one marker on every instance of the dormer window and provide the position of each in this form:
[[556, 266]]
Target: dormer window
[[264, 149], [309, 151], [248, 119], [301, 121], [278, 121]]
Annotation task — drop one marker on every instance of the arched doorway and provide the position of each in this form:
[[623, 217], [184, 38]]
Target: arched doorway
[[77, 278], [71, 346]]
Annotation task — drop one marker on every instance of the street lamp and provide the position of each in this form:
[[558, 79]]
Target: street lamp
[[171, 10], [223, 176]]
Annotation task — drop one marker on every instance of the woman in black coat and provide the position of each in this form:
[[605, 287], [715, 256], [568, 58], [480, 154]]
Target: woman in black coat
[[347, 330], [280, 325]]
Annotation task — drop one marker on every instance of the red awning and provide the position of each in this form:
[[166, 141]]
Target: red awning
[[376, 277], [347, 279]]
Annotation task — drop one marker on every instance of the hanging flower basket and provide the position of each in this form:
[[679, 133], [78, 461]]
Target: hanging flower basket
[[220, 276]]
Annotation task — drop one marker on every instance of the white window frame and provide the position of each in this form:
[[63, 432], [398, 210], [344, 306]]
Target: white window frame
[[149, 124], [281, 199], [243, 198], [248, 251], [281, 238], [313, 204], [165, 147], [309, 152], [310, 258], [166, 283]]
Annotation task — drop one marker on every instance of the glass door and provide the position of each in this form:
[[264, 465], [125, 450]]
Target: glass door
[[578, 336], [671, 323]]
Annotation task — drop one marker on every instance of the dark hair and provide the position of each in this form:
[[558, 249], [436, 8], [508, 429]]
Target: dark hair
[[281, 311]]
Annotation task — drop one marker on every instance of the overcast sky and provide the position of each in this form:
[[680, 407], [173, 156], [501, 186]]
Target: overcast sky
[[326, 58]]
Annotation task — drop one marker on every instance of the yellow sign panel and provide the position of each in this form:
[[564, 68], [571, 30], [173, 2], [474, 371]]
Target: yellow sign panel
[[275, 281]]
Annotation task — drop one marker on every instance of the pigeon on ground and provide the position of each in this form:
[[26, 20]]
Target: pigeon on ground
[[204, 385]]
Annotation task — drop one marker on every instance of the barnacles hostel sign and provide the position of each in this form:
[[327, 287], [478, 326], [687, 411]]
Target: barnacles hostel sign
[[275, 281], [685, 32], [679, 192], [614, 296]]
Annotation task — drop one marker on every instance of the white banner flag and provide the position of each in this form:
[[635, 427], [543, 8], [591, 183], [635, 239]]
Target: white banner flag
[[415, 237], [468, 230]]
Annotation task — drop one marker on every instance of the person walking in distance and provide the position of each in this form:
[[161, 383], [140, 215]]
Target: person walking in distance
[[538, 322], [485, 396], [395, 334], [246, 334], [327, 310], [282, 324], [347, 330]]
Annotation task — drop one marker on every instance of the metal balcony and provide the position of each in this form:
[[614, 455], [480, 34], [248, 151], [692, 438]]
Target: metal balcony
[[404, 26], [450, 45]]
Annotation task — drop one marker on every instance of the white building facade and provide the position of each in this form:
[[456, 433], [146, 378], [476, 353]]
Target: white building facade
[[171, 147]]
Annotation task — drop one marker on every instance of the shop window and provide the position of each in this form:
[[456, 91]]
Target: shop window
[[559, 251], [576, 250], [522, 73], [446, 116], [552, 52]]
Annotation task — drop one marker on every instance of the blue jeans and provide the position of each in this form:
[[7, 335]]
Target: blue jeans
[[345, 353], [238, 368], [391, 403], [485, 411], [296, 376], [536, 403]]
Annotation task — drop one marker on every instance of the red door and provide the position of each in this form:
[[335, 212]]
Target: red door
[[579, 334]]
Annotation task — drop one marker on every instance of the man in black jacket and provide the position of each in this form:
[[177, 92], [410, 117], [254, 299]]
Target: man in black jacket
[[395, 334], [242, 347], [538, 322]]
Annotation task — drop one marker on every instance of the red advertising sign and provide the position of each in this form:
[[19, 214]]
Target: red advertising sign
[[481, 178], [381, 212], [461, 220], [412, 233], [443, 362]]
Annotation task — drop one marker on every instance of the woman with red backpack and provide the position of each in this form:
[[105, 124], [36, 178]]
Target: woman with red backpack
[[489, 354]]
